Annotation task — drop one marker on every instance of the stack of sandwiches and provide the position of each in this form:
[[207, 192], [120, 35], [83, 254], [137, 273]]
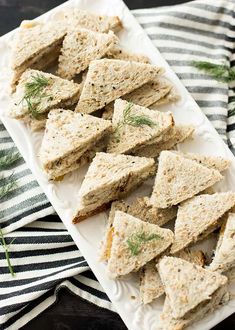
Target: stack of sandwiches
[[101, 106]]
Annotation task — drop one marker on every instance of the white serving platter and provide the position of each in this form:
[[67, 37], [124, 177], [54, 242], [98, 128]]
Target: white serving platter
[[63, 195]]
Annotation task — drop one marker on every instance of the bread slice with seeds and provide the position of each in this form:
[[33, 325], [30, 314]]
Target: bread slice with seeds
[[38, 92], [171, 97], [118, 53], [80, 47], [200, 216], [68, 140], [144, 95], [108, 80], [109, 178], [135, 126], [134, 243], [179, 178]]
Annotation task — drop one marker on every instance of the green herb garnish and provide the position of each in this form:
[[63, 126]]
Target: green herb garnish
[[136, 241], [34, 93], [220, 72], [8, 158], [133, 120], [8, 187], [7, 252]]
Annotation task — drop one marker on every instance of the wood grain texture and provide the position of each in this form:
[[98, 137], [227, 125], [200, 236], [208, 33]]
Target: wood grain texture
[[71, 312]]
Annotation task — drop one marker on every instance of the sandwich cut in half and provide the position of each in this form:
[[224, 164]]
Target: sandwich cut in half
[[39, 92], [179, 178], [200, 216], [135, 126], [70, 141], [141, 209], [191, 292], [118, 53], [144, 95], [151, 286], [109, 178], [133, 243], [108, 80], [36, 46], [224, 256], [170, 97], [80, 47]]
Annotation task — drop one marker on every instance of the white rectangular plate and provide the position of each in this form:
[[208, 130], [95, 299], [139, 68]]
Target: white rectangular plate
[[63, 195]]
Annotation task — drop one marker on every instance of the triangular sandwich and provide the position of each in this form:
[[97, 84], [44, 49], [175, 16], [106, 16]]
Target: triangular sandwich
[[135, 126], [171, 97], [197, 291], [144, 95], [151, 286], [69, 139], [187, 285], [141, 209], [200, 216], [108, 80], [36, 46], [109, 178], [178, 134], [39, 92], [179, 178], [134, 243], [80, 47], [224, 258], [118, 53]]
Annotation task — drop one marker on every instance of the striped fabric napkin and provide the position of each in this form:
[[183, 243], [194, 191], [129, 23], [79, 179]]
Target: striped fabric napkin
[[43, 254]]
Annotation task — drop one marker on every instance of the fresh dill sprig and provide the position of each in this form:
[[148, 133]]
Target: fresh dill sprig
[[220, 72], [8, 158], [136, 241], [8, 187], [34, 93], [7, 252]]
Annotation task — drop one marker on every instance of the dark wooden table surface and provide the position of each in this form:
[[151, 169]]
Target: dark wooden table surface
[[71, 312]]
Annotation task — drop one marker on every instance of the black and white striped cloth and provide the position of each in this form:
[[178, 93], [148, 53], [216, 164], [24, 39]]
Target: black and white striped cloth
[[43, 253]]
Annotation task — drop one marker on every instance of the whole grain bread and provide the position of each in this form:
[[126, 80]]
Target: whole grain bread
[[144, 95], [68, 138], [199, 216], [58, 93], [134, 243], [179, 178], [170, 97], [36, 46], [80, 47], [187, 285], [118, 53], [127, 137], [109, 178], [178, 134], [224, 255], [108, 80]]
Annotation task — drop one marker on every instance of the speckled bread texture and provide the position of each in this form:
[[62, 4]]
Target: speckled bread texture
[[178, 134], [139, 208], [68, 137], [179, 178], [108, 80], [199, 216], [80, 47], [118, 53], [144, 95], [214, 162], [126, 138], [170, 97], [224, 256], [36, 46], [151, 286], [109, 178], [186, 284], [76, 18], [61, 93], [122, 261], [219, 298]]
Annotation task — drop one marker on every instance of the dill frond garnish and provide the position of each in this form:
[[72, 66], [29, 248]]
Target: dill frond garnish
[[7, 252], [136, 241], [220, 72], [8, 187], [8, 158], [34, 93]]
